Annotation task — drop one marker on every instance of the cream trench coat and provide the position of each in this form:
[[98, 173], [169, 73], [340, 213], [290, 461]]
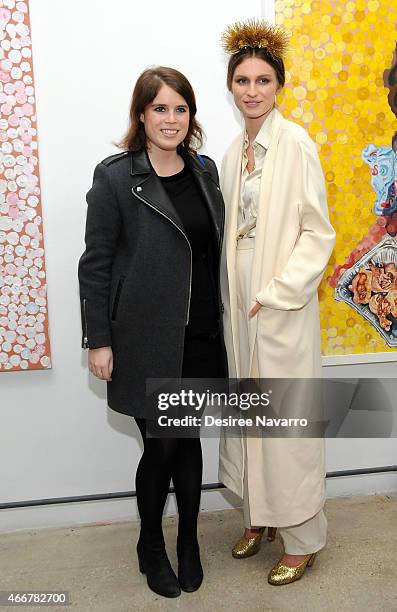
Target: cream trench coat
[[294, 240]]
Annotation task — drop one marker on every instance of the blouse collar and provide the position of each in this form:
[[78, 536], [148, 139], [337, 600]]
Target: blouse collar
[[264, 134]]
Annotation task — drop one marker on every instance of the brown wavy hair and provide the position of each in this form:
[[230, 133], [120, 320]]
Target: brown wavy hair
[[145, 90]]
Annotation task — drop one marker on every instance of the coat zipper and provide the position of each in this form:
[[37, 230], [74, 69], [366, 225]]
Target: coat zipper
[[222, 308], [190, 248], [85, 339]]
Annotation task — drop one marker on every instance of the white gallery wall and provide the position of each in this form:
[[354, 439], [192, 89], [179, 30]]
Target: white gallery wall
[[57, 436]]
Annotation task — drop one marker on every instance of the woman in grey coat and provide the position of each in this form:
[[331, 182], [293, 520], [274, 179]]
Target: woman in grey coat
[[150, 299]]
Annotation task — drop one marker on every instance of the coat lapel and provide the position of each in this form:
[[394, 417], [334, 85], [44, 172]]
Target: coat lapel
[[147, 187], [231, 190], [262, 222], [211, 193]]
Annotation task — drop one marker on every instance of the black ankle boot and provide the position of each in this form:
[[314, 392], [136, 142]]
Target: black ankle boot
[[190, 571], [154, 562]]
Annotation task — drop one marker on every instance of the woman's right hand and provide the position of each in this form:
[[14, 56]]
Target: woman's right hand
[[254, 310], [100, 362]]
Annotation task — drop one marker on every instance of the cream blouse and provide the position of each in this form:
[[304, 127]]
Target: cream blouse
[[250, 182]]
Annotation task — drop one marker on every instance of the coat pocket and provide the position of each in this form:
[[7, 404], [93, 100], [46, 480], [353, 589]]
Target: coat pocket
[[117, 297]]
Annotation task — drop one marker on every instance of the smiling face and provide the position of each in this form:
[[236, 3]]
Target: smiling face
[[166, 119], [254, 88]]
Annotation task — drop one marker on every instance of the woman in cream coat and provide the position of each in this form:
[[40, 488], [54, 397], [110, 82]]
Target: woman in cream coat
[[278, 240]]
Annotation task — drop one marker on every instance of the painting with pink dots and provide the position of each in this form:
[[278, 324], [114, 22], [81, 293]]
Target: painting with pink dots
[[24, 338]]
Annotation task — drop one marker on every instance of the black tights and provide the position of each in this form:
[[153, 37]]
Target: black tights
[[163, 459]]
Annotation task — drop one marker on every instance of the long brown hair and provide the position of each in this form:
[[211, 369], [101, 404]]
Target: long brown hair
[[145, 90], [262, 53]]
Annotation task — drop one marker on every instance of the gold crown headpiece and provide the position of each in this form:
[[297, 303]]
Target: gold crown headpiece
[[255, 33]]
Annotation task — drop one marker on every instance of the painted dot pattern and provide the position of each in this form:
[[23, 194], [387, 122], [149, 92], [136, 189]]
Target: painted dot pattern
[[24, 339], [334, 89]]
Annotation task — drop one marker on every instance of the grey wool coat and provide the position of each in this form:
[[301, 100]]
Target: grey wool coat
[[135, 273]]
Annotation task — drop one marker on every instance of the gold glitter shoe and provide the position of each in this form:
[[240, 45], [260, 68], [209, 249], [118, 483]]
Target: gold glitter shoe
[[249, 547], [284, 574]]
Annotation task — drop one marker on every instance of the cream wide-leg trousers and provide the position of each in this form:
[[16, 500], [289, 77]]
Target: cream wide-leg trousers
[[309, 536]]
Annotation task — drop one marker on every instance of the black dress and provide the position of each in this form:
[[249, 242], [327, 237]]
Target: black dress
[[202, 357]]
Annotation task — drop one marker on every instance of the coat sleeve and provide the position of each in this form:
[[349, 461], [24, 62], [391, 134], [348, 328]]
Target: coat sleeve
[[298, 282], [95, 266]]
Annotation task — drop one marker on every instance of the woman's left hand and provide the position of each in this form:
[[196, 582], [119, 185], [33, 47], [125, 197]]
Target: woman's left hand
[[254, 310]]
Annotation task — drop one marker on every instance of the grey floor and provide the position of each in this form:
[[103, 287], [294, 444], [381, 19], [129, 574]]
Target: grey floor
[[98, 566]]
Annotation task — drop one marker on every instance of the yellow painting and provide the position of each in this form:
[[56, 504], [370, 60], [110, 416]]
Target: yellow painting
[[342, 88]]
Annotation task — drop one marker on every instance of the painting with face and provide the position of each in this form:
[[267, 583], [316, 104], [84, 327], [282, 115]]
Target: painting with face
[[378, 302], [341, 86]]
